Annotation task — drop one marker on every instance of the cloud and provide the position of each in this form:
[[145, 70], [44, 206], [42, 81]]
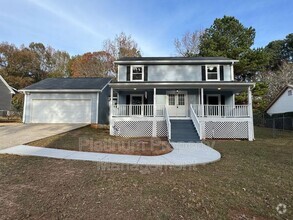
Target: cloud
[[57, 11]]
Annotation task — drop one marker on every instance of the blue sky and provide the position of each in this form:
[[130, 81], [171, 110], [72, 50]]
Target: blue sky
[[79, 26]]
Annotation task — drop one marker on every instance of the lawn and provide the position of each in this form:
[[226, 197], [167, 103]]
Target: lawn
[[249, 182], [98, 140]]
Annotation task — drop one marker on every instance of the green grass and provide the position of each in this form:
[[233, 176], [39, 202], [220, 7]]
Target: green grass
[[250, 180]]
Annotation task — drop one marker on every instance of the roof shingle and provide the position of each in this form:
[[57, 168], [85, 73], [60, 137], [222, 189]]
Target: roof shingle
[[70, 83]]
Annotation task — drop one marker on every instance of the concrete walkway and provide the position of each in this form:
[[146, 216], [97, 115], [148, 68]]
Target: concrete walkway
[[182, 154], [16, 134]]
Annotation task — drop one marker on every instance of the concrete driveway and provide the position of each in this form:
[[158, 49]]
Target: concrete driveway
[[17, 134]]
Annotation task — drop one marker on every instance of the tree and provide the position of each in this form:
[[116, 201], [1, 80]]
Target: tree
[[121, 46], [226, 37], [274, 49], [288, 48], [280, 51], [60, 64], [97, 64], [188, 45], [278, 79]]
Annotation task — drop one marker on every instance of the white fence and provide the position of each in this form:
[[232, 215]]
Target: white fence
[[139, 127], [195, 121], [226, 111], [138, 110]]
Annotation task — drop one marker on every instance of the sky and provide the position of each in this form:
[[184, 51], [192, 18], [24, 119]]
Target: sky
[[80, 26]]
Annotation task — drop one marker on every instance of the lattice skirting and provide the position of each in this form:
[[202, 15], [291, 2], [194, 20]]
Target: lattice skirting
[[226, 129], [140, 128]]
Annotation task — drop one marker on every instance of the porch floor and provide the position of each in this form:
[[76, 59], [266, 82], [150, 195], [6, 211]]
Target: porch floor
[[182, 154]]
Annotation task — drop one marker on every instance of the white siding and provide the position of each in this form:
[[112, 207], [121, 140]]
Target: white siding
[[70, 107], [283, 104]]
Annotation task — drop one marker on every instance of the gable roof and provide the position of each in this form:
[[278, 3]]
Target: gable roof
[[6, 84], [278, 96], [82, 83], [174, 60]]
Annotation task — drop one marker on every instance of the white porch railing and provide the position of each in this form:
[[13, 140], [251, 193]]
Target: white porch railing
[[167, 118], [225, 111], [195, 121], [147, 110]]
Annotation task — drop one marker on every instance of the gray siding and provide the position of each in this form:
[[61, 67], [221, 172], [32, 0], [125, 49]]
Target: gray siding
[[173, 73], [5, 97], [104, 106]]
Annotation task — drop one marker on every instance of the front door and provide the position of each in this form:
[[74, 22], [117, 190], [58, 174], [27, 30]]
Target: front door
[[136, 102], [177, 103]]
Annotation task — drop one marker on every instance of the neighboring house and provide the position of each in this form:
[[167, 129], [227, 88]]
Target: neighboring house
[[283, 103], [67, 100], [6, 93], [164, 96]]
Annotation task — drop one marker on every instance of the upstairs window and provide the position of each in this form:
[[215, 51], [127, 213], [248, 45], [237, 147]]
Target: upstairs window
[[289, 92], [137, 73], [212, 72]]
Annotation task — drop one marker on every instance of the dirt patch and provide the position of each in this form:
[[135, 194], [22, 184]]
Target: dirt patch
[[98, 140]]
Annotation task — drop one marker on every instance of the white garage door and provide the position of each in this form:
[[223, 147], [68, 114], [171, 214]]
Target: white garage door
[[61, 111]]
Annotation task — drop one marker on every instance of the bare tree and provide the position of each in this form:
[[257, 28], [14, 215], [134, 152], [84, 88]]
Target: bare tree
[[122, 46], [277, 80], [188, 45]]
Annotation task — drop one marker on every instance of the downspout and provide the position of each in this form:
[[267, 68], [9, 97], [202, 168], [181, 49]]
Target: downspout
[[97, 108], [24, 109]]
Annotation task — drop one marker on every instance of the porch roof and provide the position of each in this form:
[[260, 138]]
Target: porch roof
[[235, 86]]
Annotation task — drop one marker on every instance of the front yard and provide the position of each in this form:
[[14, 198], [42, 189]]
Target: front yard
[[99, 140], [249, 182]]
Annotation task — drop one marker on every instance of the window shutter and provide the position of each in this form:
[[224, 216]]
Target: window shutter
[[127, 99], [222, 73], [128, 73], [203, 73], [205, 99], [145, 73]]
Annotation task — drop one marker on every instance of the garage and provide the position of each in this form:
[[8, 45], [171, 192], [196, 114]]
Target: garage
[[61, 111], [67, 100]]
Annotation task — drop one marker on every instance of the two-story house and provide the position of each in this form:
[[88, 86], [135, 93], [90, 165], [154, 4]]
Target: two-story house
[[163, 96]]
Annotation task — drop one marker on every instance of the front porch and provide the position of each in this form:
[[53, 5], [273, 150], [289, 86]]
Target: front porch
[[145, 111]]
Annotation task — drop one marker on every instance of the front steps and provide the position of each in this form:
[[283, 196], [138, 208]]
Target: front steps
[[183, 131]]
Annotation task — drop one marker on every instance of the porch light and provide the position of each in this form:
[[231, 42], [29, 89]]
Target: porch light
[[219, 88], [177, 91], [134, 88]]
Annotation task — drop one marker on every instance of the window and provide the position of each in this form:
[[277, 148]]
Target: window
[[181, 99], [212, 72], [289, 92], [171, 99], [136, 73]]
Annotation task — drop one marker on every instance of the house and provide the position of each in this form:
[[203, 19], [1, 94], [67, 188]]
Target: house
[[283, 103], [185, 99], [6, 93], [67, 100]]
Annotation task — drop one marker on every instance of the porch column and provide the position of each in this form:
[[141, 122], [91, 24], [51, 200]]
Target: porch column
[[249, 102], [111, 110], [201, 102], [250, 114], [155, 102]]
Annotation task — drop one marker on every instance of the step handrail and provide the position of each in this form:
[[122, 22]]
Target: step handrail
[[168, 122], [195, 121]]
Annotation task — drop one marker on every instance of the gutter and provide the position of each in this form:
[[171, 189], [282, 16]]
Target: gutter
[[59, 90], [173, 62]]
